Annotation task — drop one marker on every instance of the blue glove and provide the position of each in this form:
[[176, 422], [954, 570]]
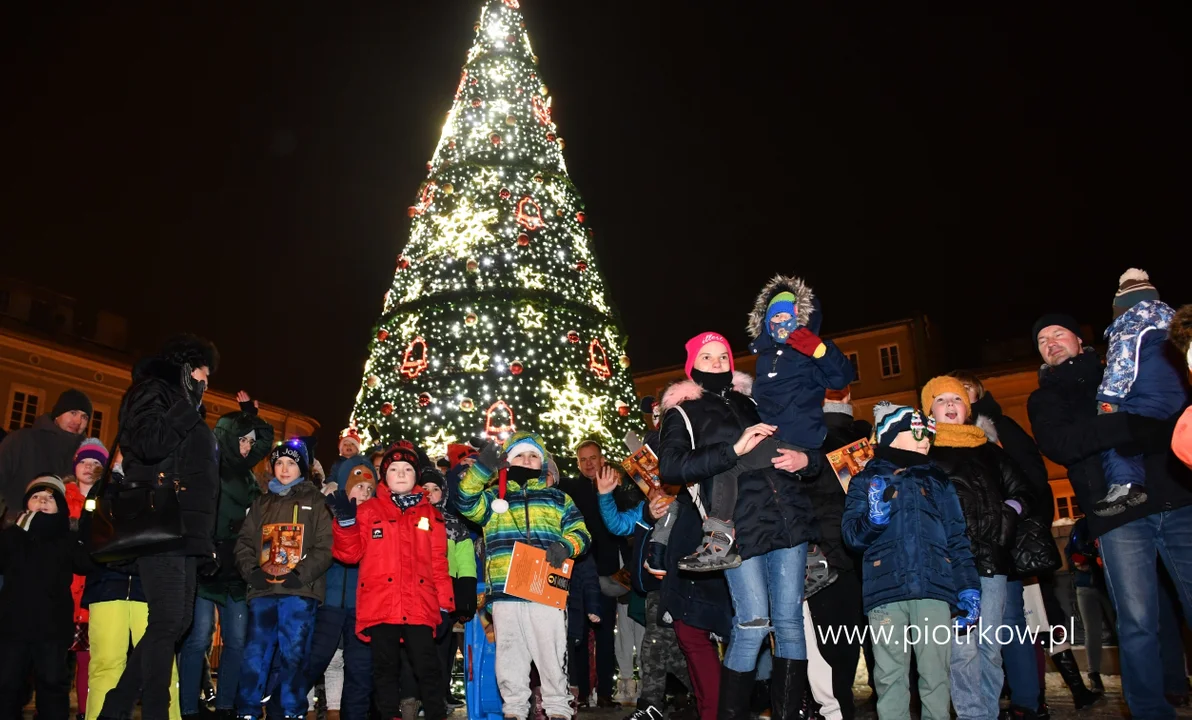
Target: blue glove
[[342, 507], [879, 508], [970, 606]]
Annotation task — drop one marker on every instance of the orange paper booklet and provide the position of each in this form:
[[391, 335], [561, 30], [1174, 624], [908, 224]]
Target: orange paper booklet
[[530, 577], [850, 460], [642, 467]]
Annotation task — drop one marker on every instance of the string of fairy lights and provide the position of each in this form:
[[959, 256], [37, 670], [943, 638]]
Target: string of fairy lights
[[497, 319]]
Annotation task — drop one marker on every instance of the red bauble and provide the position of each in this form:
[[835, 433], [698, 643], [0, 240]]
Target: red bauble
[[580, 216], [382, 335], [496, 139], [523, 240], [510, 38], [424, 399], [581, 266], [403, 262], [467, 405], [387, 409], [515, 367], [472, 266], [429, 165], [412, 211], [505, 193], [470, 319], [623, 410], [572, 336], [477, 102], [550, 137]]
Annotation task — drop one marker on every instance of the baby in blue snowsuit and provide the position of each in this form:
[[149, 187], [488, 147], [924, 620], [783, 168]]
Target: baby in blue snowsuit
[[1139, 378]]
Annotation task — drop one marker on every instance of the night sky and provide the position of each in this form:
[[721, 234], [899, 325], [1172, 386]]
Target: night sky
[[242, 170]]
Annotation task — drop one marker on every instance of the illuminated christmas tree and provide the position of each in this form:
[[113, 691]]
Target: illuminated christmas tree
[[498, 318]]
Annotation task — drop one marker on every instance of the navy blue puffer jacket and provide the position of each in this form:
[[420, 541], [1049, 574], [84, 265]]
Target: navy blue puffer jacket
[[923, 552]]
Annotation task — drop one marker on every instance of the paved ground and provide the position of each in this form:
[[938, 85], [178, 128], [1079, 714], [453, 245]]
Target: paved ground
[[1057, 696]]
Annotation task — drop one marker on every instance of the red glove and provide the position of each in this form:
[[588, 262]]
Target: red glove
[[807, 343], [1079, 559]]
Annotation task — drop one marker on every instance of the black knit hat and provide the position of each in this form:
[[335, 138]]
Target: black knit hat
[[403, 451], [71, 400], [295, 450], [1065, 321]]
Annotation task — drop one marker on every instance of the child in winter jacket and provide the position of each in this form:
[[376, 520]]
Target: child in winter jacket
[[400, 542], [523, 508], [794, 368], [903, 513], [38, 555], [283, 553], [1139, 379], [89, 462]]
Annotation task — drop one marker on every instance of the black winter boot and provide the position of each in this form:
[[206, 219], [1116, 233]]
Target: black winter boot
[[1082, 697], [788, 684], [1095, 682], [735, 689]]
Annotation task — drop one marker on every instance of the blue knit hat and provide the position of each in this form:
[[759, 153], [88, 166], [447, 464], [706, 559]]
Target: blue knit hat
[[295, 450]]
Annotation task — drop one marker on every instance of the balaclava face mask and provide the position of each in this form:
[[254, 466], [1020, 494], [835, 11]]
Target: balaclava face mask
[[782, 303]]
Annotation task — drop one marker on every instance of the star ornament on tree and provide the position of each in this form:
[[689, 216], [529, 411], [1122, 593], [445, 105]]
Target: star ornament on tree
[[577, 412], [474, 361], [465, 228], [436, 445], [530, 318]]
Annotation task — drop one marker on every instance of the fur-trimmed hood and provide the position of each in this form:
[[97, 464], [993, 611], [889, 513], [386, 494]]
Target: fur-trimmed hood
[[806, 305], [684, 390], [986, 423]]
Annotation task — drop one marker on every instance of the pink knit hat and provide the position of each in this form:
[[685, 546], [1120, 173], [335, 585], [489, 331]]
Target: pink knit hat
[[695, 344]]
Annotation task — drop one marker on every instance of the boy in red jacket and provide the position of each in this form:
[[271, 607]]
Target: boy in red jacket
[[400, 542]]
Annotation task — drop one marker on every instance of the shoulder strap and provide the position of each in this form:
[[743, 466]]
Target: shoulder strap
[[693, 488]]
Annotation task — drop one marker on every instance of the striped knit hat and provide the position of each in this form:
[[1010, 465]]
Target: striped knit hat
[[890, 419], [1134, 286]]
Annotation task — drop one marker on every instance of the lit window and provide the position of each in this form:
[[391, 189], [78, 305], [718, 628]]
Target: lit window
[[891, 363], [23, 407]]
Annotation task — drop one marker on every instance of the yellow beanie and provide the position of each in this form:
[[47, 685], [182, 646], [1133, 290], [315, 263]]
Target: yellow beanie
[[944, 384]]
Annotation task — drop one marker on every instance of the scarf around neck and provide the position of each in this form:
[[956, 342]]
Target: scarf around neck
[[277, 487], [964, 436], [407, 501]]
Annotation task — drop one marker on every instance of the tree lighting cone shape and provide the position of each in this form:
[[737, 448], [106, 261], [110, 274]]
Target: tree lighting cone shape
[[498, 319]]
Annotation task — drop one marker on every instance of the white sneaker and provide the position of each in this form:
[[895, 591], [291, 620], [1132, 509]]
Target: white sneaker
[[619, 696]]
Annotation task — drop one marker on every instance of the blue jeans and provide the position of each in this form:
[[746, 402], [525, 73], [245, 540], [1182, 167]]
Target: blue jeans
[[767, 593], [1022, 666], [233, 627], [331, 624], [976, 664], [281, 624], [1128, 552]]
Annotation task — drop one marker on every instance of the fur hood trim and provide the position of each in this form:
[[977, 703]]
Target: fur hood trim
[[986, 423], [684, 390], [804, 300]]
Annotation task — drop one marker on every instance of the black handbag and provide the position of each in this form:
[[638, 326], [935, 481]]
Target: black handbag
[[1034, 551], [129, 520]]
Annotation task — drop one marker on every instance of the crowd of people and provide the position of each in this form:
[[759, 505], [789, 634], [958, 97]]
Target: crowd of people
[[751, 580]]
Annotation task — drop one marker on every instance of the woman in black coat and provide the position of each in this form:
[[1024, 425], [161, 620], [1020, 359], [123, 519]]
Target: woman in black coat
[[162, 435], [708, 422]]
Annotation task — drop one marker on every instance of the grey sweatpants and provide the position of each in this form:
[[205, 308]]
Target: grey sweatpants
[[528, 633]]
